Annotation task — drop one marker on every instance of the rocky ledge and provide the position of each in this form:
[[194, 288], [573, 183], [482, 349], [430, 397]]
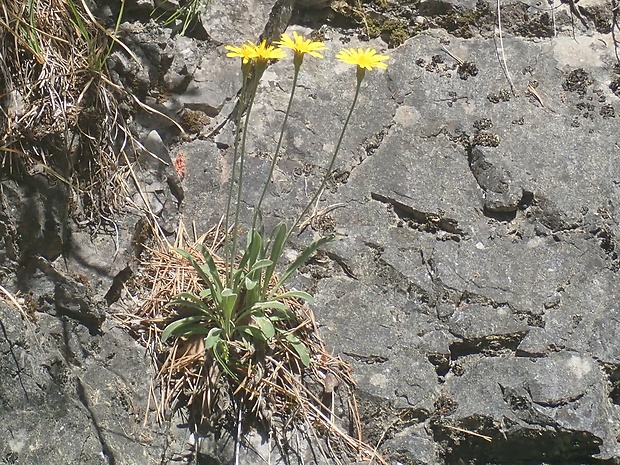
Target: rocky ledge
[[473, 284]]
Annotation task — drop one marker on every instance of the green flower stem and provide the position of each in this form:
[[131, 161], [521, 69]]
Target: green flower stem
[[360, 77], [277, 152], [260, 68], [228, 255]]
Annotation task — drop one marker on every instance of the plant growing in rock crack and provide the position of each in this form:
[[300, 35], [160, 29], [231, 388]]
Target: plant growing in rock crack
[[186, 14], [242, 311], [243, 314]]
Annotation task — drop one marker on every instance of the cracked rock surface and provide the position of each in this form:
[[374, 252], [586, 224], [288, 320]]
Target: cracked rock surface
[[473, 282]]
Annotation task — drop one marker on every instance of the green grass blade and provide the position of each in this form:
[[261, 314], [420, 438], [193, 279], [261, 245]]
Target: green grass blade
[[295, 295], [184, 326], [278, 238], [299, 261], [300, 348]]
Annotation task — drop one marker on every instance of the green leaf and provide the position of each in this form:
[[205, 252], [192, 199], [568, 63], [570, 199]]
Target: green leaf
[[278, 236], [266, 326], [279, 314], [184, 326], [249, 283], [269, 304], [206, 277], [237, 278], [264, 263], [252, 331], [213, 337], [229, 298], [295, 295], [188, 300], [200, 308], [205, 293], [300, 348], [253, 249], [299, 261], [211, 267]]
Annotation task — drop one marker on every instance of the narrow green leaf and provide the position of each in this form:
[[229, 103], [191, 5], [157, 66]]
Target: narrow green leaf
[[279, 314], [200, 308], [252, 250], [299, 261], [205, 293], [237, 279], [206, 277], [269, 304], [295, 295], [278, 237], [179, 327], [229, 298], [212, 267], [260, 264], [252, 331], [300, 348]]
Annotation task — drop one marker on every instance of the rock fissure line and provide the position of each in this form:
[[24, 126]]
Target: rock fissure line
[[107, 452], [430, 222]]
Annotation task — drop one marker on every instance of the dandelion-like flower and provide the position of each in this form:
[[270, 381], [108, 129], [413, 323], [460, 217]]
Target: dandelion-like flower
[[266, 52], [246, 52], [300, 45], [366, 59]]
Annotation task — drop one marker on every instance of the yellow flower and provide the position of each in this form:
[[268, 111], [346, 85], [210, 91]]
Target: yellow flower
[[246, 52], [301, 45], [266, 52], [365, 59]]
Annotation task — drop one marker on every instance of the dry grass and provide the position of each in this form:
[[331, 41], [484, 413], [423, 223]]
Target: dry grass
[[275, 386], [60, 114]]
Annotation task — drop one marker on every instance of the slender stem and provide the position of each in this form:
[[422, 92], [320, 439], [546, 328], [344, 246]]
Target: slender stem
[[360, 77], [227, 251], [277, 152], [235, 233]]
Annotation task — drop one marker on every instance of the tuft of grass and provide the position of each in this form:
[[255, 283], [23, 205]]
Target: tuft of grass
[[187, 14], [61, 115]]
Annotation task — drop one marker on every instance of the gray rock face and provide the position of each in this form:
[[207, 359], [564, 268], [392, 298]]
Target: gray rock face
[[71, 397], [473, 281], [560, 400]]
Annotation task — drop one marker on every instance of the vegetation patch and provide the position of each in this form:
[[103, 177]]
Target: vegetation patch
[[61, 114], [273, 366]]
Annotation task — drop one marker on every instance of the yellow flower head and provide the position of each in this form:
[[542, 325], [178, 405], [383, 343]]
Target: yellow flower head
[[246, 52], [268, 52], [301, 45], [365, 59]]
